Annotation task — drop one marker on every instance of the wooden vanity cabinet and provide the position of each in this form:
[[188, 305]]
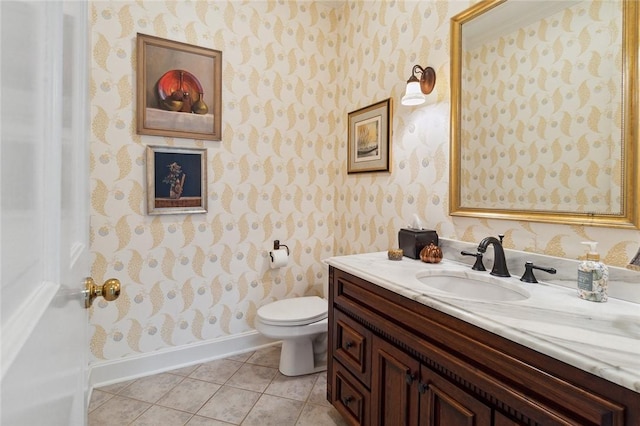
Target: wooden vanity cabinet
[[394, 361], [406, 392]]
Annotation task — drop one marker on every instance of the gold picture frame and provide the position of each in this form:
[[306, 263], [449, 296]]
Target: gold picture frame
[[369, 138], [176, 180], [179, 89]]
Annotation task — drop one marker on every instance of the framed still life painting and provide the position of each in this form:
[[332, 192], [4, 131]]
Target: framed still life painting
[[369, 138], [178, 89], [176, 180]]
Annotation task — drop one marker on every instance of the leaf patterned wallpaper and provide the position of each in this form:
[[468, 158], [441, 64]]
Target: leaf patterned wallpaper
[[292, 70]]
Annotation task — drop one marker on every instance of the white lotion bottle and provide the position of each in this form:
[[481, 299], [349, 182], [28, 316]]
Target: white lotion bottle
[[593, 276]]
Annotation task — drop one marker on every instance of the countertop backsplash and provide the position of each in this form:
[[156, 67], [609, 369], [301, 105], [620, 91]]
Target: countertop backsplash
[[624, 283]]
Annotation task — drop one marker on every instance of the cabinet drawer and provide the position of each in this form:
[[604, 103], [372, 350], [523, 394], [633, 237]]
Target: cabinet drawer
[[350, 397], [352, 347]]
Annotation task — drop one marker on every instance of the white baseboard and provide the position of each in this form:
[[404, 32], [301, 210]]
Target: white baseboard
[[133, 367]]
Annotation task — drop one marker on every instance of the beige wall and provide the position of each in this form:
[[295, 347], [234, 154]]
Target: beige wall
[[383, 41], [189, 278], [291, 73]]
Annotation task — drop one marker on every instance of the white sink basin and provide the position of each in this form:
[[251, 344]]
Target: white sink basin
[[486, 288]]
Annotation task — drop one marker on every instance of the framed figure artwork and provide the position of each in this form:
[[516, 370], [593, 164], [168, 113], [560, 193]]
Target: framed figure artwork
[[176, 180]]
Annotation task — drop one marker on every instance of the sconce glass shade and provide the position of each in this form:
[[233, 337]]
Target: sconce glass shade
[[413, 95], [416, 89]]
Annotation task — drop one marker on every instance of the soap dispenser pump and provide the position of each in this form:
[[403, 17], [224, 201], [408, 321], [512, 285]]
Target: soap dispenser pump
[[593, 276]]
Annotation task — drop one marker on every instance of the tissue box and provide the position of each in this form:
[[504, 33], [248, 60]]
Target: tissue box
[[412, 241]]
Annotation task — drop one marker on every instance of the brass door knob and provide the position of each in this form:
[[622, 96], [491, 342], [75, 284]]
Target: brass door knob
[[110, 290]]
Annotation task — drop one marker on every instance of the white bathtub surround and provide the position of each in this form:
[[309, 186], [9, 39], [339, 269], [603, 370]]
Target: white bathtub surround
[[600, 338]]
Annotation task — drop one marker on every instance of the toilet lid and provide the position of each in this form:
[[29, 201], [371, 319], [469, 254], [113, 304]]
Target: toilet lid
[[294, 311]]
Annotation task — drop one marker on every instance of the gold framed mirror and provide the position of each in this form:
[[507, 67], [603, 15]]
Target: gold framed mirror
[[545, 112]]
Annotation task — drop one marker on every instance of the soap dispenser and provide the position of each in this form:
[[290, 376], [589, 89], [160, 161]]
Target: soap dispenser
[[593, 276]]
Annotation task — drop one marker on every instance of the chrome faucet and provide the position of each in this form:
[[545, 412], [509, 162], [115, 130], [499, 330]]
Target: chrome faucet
[[499, 262]]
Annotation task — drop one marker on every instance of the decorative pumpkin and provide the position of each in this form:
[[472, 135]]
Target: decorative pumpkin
[[431, 254]]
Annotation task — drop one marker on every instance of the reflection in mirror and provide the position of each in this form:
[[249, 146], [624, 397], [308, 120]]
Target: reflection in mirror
[[543, 96]]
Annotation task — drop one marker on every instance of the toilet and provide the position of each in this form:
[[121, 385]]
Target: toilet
[[301, 323]]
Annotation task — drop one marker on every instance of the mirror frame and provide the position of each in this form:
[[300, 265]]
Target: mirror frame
[[630, 215]]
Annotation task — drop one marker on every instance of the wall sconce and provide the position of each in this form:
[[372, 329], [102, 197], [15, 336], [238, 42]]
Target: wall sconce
[[416, 89]]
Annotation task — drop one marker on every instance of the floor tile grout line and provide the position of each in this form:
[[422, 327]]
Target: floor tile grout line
[[201, 405], [250, 410], [92, 409], [305, 404], [154, 404], [234, 387], [192, 415], [258, 399]]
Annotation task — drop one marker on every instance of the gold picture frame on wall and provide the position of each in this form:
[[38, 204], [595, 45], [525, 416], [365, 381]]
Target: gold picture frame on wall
[[176, 180], [179, 89], [369, 138]]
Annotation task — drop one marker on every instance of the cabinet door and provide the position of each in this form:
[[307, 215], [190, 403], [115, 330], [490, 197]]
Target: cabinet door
[[443, 403], [394, 390]]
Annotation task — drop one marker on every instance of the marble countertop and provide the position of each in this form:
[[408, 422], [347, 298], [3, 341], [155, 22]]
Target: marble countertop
[[600, 338]]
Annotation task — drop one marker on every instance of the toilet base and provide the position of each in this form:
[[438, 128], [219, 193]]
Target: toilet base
[[299, 356]]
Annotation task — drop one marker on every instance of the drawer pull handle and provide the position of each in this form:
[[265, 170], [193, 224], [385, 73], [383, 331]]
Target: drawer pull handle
[[347, 400], [422, 388], [349, 344]]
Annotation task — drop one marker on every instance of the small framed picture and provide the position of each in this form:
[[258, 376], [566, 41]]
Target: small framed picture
[[369, 138], [176, 180], [179, 89]]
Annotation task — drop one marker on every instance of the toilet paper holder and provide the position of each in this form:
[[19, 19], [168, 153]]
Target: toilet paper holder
[[276, 246]]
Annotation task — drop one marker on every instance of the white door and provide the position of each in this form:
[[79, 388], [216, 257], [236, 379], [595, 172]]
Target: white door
[[44, 212]]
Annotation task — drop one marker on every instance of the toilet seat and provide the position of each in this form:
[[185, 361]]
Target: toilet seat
[[294, 311]]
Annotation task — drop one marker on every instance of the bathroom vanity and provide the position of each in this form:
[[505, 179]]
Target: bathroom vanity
[[404, 353]]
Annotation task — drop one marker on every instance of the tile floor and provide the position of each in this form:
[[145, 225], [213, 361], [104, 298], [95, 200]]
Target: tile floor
[[245, 389]]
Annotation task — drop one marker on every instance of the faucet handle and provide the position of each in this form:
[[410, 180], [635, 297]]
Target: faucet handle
[[478, 266], [528, 276]]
